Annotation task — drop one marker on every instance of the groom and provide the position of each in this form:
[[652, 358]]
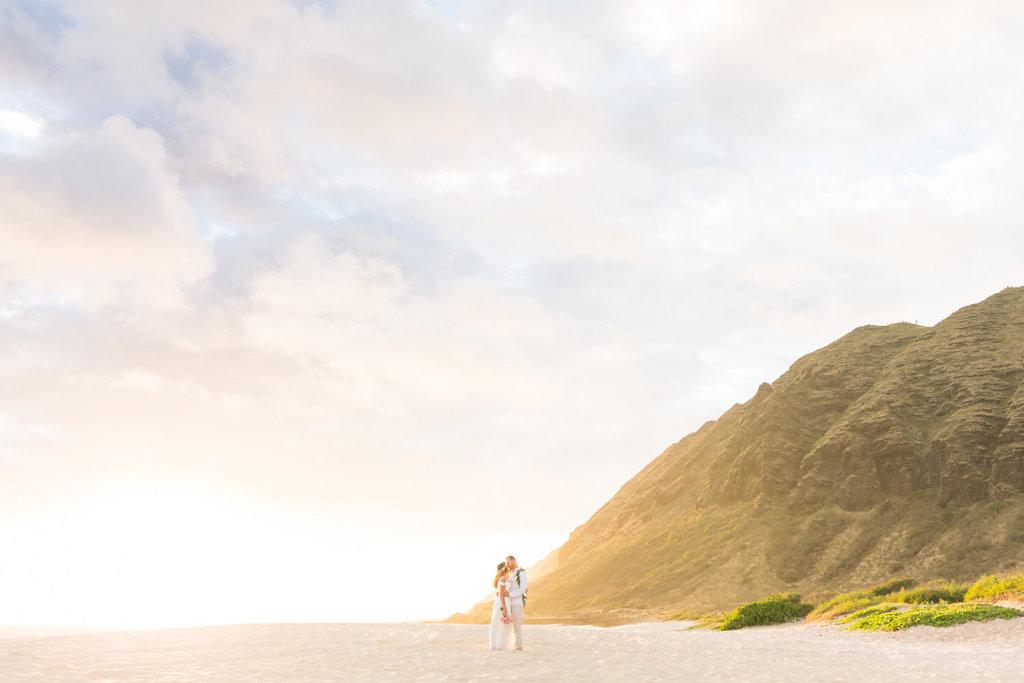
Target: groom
[[516, 600]]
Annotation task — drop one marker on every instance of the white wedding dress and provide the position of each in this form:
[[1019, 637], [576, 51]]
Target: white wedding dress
[[500, 637]]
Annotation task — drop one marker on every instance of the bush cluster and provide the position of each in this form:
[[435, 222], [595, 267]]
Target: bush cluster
[[775, 609]]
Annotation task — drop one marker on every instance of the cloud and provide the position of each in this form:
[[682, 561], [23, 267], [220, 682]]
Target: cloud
[[19, 124], [360, 327], [98, 216]]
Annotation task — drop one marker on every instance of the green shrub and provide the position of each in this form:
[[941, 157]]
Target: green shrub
[[883, 608], [932, 615], [775, 609], [993, 587]]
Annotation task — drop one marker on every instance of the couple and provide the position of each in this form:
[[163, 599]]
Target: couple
[[509, 600]]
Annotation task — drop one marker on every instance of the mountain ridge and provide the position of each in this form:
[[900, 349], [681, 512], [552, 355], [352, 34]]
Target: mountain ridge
[[896, 448]]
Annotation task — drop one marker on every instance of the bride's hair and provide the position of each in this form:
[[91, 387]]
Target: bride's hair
[[501, 570]]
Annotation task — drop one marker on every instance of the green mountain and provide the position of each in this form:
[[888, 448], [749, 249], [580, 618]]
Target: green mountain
[[895, 450]]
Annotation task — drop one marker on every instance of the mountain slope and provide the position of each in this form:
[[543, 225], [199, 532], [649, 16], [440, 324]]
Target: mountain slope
[[893, 450]]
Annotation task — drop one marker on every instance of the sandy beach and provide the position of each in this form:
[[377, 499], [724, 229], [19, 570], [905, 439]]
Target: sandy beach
[[401, 652]]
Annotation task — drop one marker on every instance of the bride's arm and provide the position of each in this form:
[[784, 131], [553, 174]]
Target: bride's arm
[[503, 592]]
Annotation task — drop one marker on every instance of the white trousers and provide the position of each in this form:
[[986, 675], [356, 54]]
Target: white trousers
[[516, 607]]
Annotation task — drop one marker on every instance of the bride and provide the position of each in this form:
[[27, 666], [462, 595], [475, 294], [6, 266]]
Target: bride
[[501, 622]]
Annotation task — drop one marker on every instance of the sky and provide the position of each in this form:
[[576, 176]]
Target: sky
[[315, 311]]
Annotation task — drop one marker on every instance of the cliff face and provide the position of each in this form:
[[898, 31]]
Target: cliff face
[[893, 450]]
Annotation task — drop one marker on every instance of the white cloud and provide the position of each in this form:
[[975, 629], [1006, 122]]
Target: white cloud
[[358, 324], [20, 125], [100, 217]]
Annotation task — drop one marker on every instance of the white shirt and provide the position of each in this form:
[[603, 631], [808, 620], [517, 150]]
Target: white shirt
[[517, 588]]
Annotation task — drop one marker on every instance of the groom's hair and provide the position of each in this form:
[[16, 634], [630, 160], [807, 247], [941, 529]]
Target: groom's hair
[[510, 557]]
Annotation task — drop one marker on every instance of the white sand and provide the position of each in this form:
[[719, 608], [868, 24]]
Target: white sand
[[392, 652]]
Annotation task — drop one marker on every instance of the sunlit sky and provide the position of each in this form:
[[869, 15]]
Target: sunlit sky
[[315, 311]]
